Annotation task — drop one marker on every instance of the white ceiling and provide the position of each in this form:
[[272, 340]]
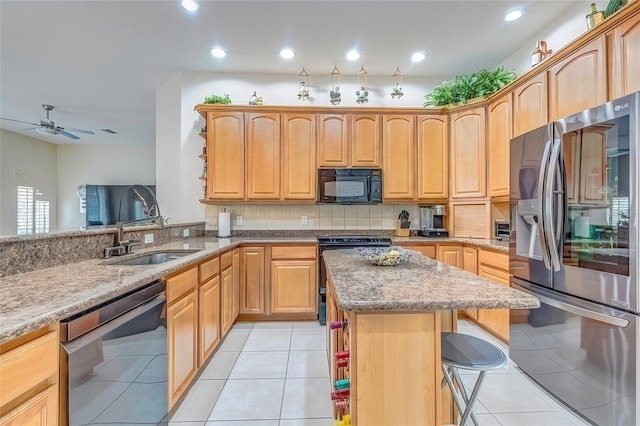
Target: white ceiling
[[100, 62]]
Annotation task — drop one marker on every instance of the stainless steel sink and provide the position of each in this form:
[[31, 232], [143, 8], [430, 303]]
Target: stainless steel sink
[[153, 258]]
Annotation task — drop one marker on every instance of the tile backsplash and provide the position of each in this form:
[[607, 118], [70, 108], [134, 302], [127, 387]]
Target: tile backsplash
[[323, 216]]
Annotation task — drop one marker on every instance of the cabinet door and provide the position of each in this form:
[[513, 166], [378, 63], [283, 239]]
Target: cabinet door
[[365, 141], [497, 320], [530, 105], [593, 167], [425, 250], [398, 155], [468, 159], [579, 81], [225, 156], [433, 158], [299, 157], [451, 255], [226, 279], [293, 286], [625, 60], [40, 410], [470, 264], [263, 156], [499, 121], [209, 324], [252, 283], [236, 283], [332, 140], [182, 345]]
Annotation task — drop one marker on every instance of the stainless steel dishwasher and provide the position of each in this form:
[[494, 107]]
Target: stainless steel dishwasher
[[114, 361]]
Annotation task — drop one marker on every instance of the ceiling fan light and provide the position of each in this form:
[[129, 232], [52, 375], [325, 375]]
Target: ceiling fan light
[[191, 5], [46, 131]]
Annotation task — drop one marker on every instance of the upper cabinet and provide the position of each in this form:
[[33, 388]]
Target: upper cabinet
[[468, 158], [433, 157], [579, 81], [530, 105], [349, 140], [398, 155], [263, 156], [225, 156], [298, 157], [624, 58], [499, 137]]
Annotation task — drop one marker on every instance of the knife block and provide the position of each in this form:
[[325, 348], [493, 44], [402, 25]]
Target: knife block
[[401, 232]]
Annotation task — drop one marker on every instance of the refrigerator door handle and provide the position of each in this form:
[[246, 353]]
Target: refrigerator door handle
[[596, 316], [541, 209], [550, 231]]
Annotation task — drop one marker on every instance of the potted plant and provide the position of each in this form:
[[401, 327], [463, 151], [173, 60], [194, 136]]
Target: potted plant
[[466, 87], [215, 99]]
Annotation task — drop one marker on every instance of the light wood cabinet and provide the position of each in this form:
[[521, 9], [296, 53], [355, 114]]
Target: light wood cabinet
[[252, 280], [209, 318], [450, 254], [470, 264], [398, 157], [263, 156], [426, 250], [182, 343], [625, 60], [500, 119], [468, 158], [530, 109], [365, 140], [332, 140], [226, 279], [225, 156], [299, 157], [579, 81], [40, 410], [294, 280], [495, 267], [433, 157], [236, 282]]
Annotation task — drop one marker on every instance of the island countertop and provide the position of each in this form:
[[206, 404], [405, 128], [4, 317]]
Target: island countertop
[[419, 284]]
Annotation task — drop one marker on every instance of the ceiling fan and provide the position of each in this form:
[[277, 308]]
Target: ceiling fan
[[48, 127]]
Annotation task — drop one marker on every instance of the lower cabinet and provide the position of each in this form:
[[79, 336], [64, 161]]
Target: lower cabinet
[[428, 250], [209, 307], [495, 267], [226, 277], [470, 264], [236, 283], [450, 254], [252, 285], [40, 410]]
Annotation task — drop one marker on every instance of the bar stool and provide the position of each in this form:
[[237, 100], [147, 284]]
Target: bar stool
[[461, 351]]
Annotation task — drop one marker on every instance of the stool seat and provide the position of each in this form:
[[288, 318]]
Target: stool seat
[[471, 353], [461, 351]]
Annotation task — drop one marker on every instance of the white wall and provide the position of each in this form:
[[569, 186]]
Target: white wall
[[34, 159], [99, 165]]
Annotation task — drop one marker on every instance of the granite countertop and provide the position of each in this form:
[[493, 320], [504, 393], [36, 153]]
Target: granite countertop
[[419, 284], [491, 244]]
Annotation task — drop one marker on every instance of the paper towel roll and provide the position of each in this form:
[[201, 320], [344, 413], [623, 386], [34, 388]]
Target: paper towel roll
[[224, 224]]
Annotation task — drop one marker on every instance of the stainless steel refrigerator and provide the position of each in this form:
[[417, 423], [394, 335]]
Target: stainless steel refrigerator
[[574, 245]]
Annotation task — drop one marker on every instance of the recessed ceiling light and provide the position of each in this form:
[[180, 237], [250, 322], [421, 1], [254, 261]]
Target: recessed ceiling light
[[353, 55], [418, 57], [287, 53], [191, 5], [218, 52], [514, 15]]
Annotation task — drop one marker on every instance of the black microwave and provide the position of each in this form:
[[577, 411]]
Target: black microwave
[[349, 186]]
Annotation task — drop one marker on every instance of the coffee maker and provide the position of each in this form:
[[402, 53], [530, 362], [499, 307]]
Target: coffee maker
[[432, 221]]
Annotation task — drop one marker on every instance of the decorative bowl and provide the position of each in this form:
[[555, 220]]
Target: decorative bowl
[[385, 256]]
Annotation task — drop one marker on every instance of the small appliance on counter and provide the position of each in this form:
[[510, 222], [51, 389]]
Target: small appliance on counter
[[501, 229], [432, 221]]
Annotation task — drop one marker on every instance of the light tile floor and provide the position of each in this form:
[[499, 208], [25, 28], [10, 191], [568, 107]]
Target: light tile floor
[[276, 374]]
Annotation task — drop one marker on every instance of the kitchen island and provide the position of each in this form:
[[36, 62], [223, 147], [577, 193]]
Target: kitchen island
[[391, 322]]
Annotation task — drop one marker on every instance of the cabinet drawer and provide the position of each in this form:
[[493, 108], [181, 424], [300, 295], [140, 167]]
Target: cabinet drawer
[[209, 268], [293, 252], [27, 365], [182, 283], [493, 274], [226, 259], [492, 258]]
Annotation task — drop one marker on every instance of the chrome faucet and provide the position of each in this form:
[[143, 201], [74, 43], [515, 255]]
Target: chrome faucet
[[122, 246]]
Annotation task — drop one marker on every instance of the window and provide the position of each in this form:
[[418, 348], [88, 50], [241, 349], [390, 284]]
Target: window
[[33, 208]]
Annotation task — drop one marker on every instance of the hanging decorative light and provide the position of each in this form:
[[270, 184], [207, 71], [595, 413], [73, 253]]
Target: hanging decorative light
[[362, 93], [303, 87], [335, 88], [396, 90]]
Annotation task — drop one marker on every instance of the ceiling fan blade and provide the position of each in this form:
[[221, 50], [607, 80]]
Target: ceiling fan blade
[[19, 121], [71, 129], [67, 134]]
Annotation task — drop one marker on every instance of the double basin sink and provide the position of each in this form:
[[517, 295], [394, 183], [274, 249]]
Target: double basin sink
[[153, 258]]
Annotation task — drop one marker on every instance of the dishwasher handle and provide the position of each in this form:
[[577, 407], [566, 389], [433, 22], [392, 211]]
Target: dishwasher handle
[[86, 339]]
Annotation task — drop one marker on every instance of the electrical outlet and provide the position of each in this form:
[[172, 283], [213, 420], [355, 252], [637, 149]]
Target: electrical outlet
[[304, 220], [148, 238], [239, 220], [185, 233]]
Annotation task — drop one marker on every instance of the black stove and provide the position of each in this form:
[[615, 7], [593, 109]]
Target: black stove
[[328, 242]]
